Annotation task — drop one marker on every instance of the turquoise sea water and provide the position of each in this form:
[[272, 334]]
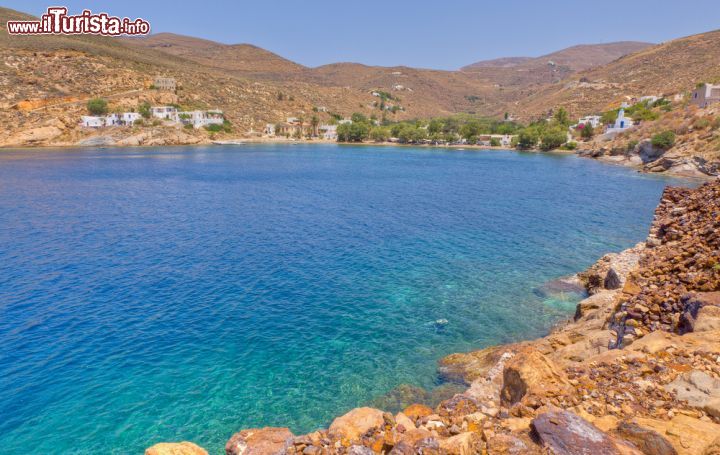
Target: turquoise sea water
[[152, 295]]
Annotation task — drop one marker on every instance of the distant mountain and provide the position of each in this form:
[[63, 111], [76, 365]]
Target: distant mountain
[[575, 58]]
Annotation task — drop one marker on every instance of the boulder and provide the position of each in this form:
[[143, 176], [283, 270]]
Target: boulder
[[650, 442], [648, 152], [468, 443], [405, 421], [467, 367], [415, 411], [531, 373], [259, 441], [353, 425], [565, 433], [175, 448], [699, 390], [506, 444], [688, 435]]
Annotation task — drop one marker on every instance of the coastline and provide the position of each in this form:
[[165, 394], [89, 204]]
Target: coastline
[[636, 370], [683, 171]]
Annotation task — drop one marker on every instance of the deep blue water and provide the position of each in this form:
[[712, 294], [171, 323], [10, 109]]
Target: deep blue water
[[152, 295]]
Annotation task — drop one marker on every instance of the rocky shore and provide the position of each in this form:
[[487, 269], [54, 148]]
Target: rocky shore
[[636, 371]]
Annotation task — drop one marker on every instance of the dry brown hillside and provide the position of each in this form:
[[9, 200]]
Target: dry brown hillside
[[529, 72], [244, 58], [664, 69]]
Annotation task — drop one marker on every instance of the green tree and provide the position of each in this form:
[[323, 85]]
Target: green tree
[[562, 117], [358, 118], [97, 106], [494, 142], [552, 138], [380, 134], [144, 109], [527, 139], [314, 122]]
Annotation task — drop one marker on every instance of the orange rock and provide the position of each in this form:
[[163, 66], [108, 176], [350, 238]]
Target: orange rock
[[416, 411], [175, 448], [259, 441], [353, 425]]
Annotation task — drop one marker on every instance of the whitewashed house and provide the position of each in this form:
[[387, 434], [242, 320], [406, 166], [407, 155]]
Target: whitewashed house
[[165, 113], [269, 129], [198, 119], [705, 95], [129, 118], [92, 121], [328, 132], [593, 120]]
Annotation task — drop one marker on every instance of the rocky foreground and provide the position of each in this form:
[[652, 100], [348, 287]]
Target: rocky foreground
[[637, 370]]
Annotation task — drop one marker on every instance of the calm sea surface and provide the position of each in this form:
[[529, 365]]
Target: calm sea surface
[[170, 294]]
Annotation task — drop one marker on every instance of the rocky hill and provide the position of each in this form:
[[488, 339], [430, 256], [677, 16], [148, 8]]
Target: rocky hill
[[664, 69], [528, 72], [635, 372]]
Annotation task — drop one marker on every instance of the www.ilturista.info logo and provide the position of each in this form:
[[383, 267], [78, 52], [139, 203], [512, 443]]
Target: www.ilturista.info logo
[[57, 22]]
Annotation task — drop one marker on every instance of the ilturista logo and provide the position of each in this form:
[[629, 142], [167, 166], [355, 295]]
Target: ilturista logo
[[57, 22]]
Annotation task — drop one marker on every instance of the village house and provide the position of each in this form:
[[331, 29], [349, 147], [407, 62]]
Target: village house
[[593, 120], [165, 83], [328, 132], [198, 119], [269, 129], [705, 95], [92, 121], [121, 119], [165, 112]]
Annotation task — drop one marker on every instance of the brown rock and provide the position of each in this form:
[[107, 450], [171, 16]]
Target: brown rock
[[175, 448], [648, 441], [353, 425], [531, 373], [467, 367], [467, 443], [688, 435], [259, 441], [505, 444], [565, 433], [415, 411]]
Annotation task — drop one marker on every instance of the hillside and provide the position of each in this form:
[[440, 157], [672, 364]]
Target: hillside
[[576, 58], [527, 72], [244, 58], [665, 69]]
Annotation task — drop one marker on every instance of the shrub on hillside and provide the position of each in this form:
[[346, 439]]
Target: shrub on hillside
[[664, 140], [97, 106]]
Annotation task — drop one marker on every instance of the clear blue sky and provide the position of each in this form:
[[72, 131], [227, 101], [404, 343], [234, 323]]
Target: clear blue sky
[[440, 34]]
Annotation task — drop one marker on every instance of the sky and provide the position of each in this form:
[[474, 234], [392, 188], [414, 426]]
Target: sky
[[440, 34]]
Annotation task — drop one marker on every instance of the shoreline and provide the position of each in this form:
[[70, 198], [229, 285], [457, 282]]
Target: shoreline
[[683, 173], [627, 369]]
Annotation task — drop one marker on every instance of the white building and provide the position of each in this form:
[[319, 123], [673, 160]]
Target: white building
[[129, 118], [705, 95], [269, 129], [165, 113], [622, 123], [198, 119], [92, 121], [328, 132], [593, 120], [344, 121]]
